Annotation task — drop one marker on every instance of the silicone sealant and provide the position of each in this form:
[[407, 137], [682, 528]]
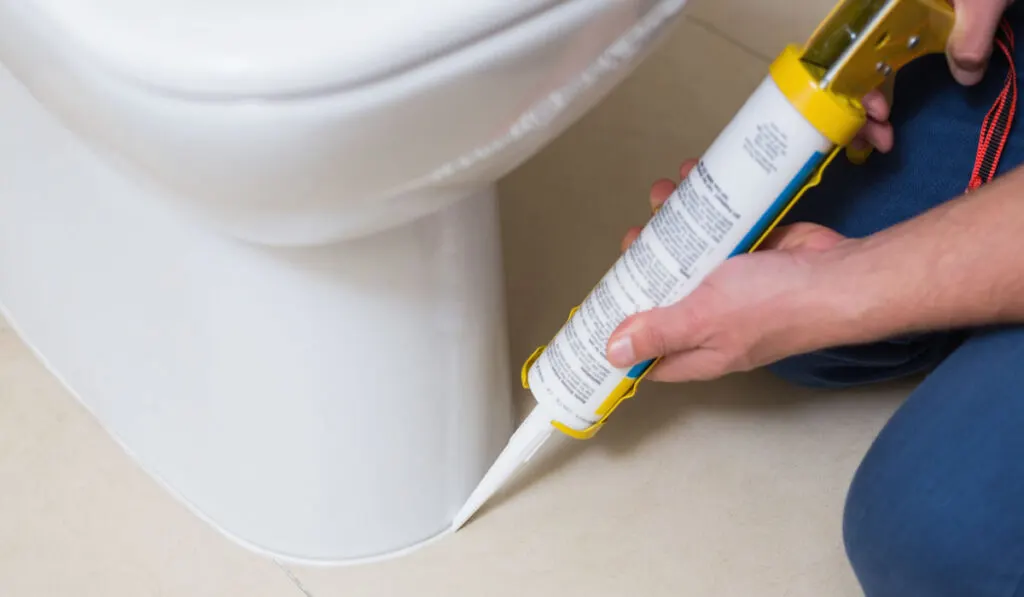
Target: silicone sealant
[[747, 177]]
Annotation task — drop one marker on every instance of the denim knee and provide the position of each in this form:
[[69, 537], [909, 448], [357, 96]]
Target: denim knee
[[908, 536], [892, 547]]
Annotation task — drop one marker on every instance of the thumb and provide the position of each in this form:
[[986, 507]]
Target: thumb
[[970, 44], [651, 334]]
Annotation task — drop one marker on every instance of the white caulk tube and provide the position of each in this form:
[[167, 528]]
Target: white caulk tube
[[747, 176], [745, 181]]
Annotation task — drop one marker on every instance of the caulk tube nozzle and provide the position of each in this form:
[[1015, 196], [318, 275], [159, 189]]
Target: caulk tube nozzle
[[525, 442]]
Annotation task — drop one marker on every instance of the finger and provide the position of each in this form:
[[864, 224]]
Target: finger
[[876, 105], [693, 365], [970, 44], [684, 169], [802, 235], [879, 135], [652, 334], [631, 236], [662, 189], [660, 192]]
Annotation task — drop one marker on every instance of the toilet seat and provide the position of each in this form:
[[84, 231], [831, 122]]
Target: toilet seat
[[236, 48], [309, 125]]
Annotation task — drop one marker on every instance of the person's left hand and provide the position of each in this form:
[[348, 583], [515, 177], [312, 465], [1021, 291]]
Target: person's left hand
[[752, 310]]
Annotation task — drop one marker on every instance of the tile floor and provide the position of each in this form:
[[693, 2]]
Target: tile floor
[[730, 488]]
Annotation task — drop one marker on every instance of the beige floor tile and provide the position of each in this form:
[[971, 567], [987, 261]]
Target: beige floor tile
[[78, 519], [763, 26]]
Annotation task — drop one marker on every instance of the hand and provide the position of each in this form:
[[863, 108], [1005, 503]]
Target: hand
[[970, 45], [751, 311]]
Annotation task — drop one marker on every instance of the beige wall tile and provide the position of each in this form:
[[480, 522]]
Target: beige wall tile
[[764, 26]]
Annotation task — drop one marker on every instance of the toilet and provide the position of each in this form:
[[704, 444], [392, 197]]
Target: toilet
[[259, 240]]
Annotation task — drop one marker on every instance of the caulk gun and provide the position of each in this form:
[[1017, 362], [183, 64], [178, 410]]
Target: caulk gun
[[776, 147]]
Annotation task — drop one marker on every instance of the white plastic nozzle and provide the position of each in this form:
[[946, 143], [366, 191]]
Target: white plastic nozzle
[[525, 442]]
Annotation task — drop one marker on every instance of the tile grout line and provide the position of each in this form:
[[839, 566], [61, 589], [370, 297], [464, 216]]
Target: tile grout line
[[705, 25], [295, 579]]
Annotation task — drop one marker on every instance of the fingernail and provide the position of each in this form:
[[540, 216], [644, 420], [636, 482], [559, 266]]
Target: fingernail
[[620, 351], [967, 73], [968, 77]]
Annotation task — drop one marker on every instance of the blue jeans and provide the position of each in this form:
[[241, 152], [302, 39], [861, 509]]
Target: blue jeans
[[936, 508]]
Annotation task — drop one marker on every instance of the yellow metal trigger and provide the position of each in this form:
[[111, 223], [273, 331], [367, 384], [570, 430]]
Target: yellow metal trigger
[[862, 44]]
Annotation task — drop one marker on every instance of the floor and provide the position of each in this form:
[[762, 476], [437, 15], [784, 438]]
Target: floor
[[729, 488]]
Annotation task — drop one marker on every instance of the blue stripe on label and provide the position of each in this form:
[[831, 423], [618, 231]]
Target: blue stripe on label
[[639, 369], [779, 204]]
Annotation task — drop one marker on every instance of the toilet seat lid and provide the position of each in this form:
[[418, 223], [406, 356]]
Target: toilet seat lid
[[257, 48]]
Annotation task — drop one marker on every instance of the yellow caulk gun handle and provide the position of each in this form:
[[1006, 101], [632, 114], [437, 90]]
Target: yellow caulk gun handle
[[860, 46]]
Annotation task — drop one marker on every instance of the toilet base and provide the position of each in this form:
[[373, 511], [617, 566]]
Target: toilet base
[[227, 534], [324, 404]]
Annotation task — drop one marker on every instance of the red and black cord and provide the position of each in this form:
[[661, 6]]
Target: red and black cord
[[996, 127]]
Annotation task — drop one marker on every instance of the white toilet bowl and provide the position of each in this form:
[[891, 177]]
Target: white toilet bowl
[[259, 239]]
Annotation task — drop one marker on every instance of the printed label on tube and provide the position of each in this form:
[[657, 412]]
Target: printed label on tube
[[748, 175]]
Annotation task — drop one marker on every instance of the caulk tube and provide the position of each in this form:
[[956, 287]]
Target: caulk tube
[[774, 148]]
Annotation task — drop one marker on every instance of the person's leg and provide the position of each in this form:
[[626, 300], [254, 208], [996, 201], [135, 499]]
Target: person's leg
[[937, 125], [937, 506]]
